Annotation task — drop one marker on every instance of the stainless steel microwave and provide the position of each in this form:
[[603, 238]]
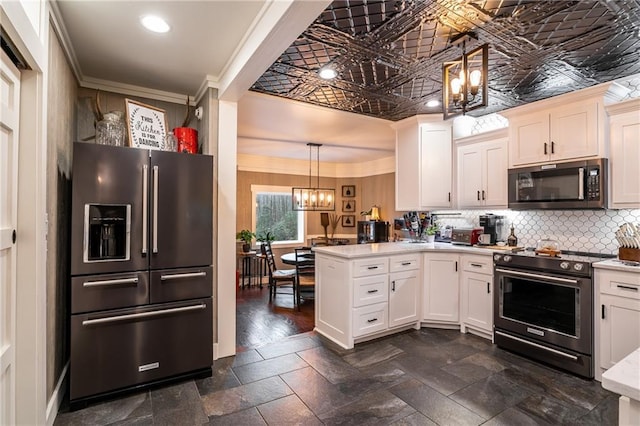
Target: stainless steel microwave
[[574, 185]]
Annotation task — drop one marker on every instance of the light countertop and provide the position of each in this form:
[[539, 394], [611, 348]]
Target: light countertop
[[624, 377], [617, 265], [355, 251]]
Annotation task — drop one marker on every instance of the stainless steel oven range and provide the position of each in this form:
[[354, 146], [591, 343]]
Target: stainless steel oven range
[[543, 308]]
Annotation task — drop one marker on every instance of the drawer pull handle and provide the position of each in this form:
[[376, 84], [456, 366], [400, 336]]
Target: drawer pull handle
[[372, 291], [372, 320], [179, 276], [476, 265], [110, 282], [144, 314], [406, 263], [626, 287], [372, 267]]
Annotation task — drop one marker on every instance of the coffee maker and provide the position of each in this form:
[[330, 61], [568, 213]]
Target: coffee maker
[[494, 226], [373, 231]]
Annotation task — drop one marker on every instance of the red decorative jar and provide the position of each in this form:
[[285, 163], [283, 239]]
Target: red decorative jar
[[187, 139]]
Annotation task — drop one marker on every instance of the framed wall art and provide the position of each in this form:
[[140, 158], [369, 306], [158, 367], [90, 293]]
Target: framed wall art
[[348, 220], [348, 206], [147, 125], [348, 191]]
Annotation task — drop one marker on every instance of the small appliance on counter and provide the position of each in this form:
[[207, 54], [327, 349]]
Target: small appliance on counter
[[494, 226], [373, 231], [465, 236]]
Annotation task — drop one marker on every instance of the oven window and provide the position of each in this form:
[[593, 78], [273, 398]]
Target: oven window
[[549, 185], [541, 304]]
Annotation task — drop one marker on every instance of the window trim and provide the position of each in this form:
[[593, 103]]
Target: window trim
[[302, 217]]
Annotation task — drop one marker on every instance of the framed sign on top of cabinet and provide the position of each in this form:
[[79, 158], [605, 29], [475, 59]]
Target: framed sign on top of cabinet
[[147, 125]]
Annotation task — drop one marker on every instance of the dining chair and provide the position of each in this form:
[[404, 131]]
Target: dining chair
[[283, 278], [305, 274]]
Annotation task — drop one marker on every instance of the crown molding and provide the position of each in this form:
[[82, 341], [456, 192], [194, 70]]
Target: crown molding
[[133, 90], [609, 92], [287, 166]]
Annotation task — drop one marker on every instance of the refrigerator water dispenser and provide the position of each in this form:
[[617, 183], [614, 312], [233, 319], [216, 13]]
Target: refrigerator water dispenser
[[107, 232]]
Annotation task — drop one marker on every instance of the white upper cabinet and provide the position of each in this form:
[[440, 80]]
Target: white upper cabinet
[[423, 164], [482, 170], [624, 159], [562, 128]]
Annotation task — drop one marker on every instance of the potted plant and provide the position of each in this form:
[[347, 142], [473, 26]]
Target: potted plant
[[430, 232], [246, 236]]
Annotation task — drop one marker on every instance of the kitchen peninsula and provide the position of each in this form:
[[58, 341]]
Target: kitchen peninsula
[[368, 290]]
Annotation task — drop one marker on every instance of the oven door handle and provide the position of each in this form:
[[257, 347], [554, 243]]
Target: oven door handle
[[564, 354], [543, 277]]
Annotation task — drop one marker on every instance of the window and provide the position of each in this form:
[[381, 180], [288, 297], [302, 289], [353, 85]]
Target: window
[[273, 213]]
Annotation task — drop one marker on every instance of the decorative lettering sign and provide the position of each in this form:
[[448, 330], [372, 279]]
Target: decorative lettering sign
[[147, 125]]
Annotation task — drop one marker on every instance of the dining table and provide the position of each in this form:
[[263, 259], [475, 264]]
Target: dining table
[[290, 258]]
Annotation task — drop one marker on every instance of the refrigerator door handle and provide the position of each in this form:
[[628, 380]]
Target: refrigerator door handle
[[145, 202], [155, 209], [179, 276], [110, 282], [144, 314]]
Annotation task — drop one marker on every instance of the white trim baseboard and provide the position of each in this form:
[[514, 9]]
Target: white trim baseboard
[[56, 397]]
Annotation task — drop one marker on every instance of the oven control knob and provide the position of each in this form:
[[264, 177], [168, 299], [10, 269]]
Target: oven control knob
[[507, 258], [564, 265], [496, 257], [578, 266]]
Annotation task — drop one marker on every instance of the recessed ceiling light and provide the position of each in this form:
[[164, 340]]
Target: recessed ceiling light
[[328, 73], [433, 103], [155, 24]]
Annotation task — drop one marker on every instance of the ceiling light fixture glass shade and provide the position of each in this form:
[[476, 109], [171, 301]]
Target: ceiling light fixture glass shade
[[155, 24], [327, 73], [464, 80], [313, 198]]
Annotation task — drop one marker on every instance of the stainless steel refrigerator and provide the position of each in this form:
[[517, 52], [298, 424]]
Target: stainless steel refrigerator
[[141, 254]]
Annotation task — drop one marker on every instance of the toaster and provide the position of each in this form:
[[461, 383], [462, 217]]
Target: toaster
[[466, 236]]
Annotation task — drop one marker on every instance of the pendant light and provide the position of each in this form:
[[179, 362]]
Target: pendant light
[[313, 198], [464, 80]]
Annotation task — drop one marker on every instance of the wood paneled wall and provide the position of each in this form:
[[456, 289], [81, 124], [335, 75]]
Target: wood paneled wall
[[376, 190]]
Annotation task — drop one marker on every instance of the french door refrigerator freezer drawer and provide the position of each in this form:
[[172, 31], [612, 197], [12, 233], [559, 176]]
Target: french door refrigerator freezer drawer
[[119, 349], [91, 293], [169, 285]]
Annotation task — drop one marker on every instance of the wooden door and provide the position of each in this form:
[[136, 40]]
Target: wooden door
[[9, 120]]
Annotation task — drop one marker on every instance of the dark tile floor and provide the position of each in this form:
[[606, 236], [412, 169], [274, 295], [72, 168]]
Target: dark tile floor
[[419, 377]]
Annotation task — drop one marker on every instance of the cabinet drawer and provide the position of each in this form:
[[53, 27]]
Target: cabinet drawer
[[370, 290], [109, 291], [477, 264], [181, 284], [370, 266], [404, 263], [128, 347], [619, 283], [369, 319]]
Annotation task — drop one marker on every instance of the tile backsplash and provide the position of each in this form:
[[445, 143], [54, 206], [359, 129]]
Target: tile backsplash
[[578, 230]]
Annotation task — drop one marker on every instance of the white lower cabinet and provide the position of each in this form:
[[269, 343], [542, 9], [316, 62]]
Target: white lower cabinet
[[618, 313], [440, 294], [365, 297], [476, 301], [404, 295], [369, 319]]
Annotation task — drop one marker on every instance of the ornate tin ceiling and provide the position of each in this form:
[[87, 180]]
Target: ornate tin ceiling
[[389, 54]]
